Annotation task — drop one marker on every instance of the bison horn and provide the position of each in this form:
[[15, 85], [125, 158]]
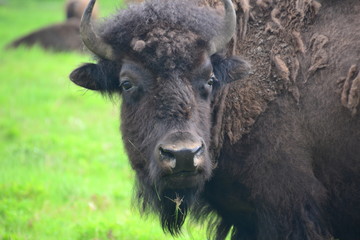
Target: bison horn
[[91, 40], [227, 29]]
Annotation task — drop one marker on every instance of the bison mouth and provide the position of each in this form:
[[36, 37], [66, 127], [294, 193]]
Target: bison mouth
[[183, 179]]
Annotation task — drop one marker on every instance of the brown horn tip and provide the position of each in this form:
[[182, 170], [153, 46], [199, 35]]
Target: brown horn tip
[[91, 40]]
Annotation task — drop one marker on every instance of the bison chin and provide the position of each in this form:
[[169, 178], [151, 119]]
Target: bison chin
[[171, 204]]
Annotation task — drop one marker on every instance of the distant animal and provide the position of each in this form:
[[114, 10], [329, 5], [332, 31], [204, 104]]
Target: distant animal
[[62, 36], [270, 151], [75, 9]]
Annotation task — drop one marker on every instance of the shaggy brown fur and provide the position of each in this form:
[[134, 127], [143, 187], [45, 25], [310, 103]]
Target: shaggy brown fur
[[275, 32], [303, 48], [281, 146], [283, 40], [350, 94]]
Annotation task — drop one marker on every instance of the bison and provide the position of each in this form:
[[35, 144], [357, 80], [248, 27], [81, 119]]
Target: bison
[[266, 150], [75, 9], [62, 36]]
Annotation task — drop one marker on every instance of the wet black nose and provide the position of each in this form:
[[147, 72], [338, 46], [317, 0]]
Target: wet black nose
[[181, 155]]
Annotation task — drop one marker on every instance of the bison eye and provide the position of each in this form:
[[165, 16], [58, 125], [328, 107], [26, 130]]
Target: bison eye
[[126, 85], [212, 80]]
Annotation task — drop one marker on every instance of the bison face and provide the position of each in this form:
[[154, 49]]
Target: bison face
[[166, 119], [166, 124], [167, 75]]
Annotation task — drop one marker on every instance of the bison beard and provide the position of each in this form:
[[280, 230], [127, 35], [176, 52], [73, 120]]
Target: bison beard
[[171, 205]]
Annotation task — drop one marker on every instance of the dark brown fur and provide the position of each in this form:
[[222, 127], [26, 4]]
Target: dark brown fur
[[283, 149]]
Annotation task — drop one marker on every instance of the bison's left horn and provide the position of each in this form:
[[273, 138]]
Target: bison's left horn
[[91, 40], [227, 29]]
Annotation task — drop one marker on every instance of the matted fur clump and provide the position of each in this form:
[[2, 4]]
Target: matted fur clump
[[157, 33]]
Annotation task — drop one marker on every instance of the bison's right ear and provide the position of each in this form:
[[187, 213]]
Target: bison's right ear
[[86, 76], [98, 77]]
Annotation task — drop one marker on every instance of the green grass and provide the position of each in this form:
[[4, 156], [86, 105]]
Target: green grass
[[63, 170]]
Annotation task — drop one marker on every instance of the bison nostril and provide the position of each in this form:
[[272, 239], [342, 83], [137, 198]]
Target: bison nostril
[[167, 158], [199, 150], [198, 158], [166, 153]]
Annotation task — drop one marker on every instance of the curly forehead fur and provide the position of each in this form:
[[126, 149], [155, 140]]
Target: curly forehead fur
[[162, 33]]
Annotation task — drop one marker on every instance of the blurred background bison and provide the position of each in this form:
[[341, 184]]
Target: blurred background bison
[[62, 36], [275, 155]]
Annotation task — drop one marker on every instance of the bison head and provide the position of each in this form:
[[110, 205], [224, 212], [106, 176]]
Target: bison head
[[163, 58]]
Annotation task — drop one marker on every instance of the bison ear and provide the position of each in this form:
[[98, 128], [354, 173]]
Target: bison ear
[[86, 76], [229, 69]]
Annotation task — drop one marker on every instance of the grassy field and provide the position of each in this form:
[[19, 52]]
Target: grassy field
[[63, 170]]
